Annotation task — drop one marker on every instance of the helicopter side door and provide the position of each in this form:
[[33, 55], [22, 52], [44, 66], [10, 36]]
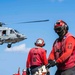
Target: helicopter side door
[[3, 34]]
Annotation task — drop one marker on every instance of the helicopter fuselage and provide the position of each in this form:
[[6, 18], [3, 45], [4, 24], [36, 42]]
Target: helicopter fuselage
[[10, 36]]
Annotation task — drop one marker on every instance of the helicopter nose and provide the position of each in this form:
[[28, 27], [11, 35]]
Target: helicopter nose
[[23, 36]]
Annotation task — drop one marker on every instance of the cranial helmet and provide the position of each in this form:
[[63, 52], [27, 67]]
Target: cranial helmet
[[61, 27], [40, 42]]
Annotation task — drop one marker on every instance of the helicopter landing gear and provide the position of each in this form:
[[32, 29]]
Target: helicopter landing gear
[[9, 45]]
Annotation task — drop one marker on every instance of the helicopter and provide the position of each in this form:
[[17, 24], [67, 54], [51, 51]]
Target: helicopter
[[12, 36]]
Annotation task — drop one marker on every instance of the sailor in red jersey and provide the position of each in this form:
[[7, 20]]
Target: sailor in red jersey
[[63, 51], [36, 56]]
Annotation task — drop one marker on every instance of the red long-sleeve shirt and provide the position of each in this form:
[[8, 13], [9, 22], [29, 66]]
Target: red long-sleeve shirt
[[41, 57]]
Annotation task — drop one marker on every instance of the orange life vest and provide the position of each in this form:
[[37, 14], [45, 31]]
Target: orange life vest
[[59, 48]]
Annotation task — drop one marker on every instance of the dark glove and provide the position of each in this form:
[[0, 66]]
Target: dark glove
[[52, 63], [27, 71], [48, 65]]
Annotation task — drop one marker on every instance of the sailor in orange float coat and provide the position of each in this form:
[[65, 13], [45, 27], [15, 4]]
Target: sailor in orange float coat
[[63, 51]]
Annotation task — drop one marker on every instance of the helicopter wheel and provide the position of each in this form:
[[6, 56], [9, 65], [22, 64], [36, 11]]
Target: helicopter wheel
[[9, 45]]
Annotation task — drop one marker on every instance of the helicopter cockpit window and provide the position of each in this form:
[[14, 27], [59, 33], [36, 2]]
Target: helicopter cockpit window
[[11, 31], [16, 31]]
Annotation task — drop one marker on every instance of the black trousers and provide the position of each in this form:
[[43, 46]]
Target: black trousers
[[70, 71]]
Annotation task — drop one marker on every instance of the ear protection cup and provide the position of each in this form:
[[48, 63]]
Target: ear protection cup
[[67, 28], [35, 43], [44, 44]]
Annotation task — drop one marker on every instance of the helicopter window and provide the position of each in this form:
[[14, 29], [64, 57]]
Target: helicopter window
[[4, 32], [16, 31], [11, 31]]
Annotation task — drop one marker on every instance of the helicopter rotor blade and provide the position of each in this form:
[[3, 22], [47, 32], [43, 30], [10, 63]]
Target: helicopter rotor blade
[[34, 21], [1, 23]]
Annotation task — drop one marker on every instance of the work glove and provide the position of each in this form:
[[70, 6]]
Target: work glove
[[27, 71], [48, 65], [52, 63]]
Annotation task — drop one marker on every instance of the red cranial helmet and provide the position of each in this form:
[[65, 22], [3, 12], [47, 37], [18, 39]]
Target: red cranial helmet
[[40, 42], [61, 27]]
